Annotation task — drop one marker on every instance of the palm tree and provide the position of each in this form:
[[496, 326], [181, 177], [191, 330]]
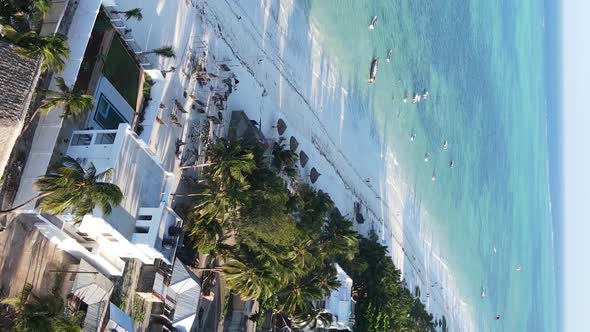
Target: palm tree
[[205, 234], [231, 163], [41, 6], [298, 295], [165, 51], [44, 313], [132, 13], [316, 318], [73, 101], [68, 323], [73, 187], [250, 281], [284, 159], [51, 49]]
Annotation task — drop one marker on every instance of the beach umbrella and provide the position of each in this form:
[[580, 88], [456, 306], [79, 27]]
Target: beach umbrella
[[314, 175], [303, 158], [281, 126], [293, 144]]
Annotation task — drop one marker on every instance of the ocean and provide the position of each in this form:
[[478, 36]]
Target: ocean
[[484, 64]]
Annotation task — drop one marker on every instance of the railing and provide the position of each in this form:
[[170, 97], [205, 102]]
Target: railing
[[127, 37]]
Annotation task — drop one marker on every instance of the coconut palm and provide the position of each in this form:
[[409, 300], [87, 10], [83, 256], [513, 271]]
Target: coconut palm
[[298, 295], [165, 51], [73, 101], [230, 165], [132, 13], [311, 320], [44, 313], [283, 158], [72, 187], [338, 238], [205, 234], [41, 6], [52, 49], [250, 281]]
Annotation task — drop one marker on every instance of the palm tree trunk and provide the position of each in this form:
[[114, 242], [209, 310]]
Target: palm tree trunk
[[3, 212], [14, 208]]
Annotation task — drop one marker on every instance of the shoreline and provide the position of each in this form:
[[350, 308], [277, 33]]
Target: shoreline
[[343, 182]]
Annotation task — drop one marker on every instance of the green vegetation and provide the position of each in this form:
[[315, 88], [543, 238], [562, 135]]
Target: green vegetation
[[132, 13], [72, 187], [383, 304], [284, 244], [20, 21], [73, 101], [148, 83], [40, 313], [137, 309], [25, 15], [165, 51], [122, 70]]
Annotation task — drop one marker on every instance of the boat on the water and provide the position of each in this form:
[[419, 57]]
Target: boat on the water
[[373, 22], [373, 73], [483, 292], [388, 55]]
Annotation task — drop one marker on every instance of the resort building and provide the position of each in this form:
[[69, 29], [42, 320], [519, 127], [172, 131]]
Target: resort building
[[91, 293], [143, 226], [340, 304]]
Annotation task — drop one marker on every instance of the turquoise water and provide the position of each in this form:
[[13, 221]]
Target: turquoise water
[[483, 64]]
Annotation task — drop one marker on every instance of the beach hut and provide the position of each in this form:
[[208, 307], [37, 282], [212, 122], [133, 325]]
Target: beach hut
[[293, 144], [281, 126], [314, 175], [303, 158]]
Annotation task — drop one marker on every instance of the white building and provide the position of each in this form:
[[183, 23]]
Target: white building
[[143, 226], [340, 303]]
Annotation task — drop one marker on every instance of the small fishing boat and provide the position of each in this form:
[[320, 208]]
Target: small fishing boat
[[483, 293], [388, 55], [373, 73], [416, 98], [373, 22]]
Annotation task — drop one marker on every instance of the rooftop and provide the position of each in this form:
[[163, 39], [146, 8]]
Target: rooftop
[[18, 78], [182, 294], [136, 171]]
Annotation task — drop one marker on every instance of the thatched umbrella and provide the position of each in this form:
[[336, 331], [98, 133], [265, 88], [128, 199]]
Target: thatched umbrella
[[314, 175], [281, 126], [303, 158], [293, 144]]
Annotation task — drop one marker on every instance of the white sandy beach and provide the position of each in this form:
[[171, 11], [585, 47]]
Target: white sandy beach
[[276, 54]]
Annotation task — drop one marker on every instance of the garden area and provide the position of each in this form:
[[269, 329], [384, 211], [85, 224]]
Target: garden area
[[122, 70], [275, 240]]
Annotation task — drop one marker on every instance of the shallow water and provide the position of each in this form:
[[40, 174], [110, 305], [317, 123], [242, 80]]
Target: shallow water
[[483, 64]]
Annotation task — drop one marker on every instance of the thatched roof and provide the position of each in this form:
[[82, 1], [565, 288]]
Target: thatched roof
[[281, 126], [303, 158], [293, 144], [18, 78], [314, 175]]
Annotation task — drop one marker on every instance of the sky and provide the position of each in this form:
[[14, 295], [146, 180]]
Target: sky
[[575, 70]]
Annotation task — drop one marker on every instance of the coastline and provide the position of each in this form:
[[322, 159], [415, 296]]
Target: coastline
[[311, 117]]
